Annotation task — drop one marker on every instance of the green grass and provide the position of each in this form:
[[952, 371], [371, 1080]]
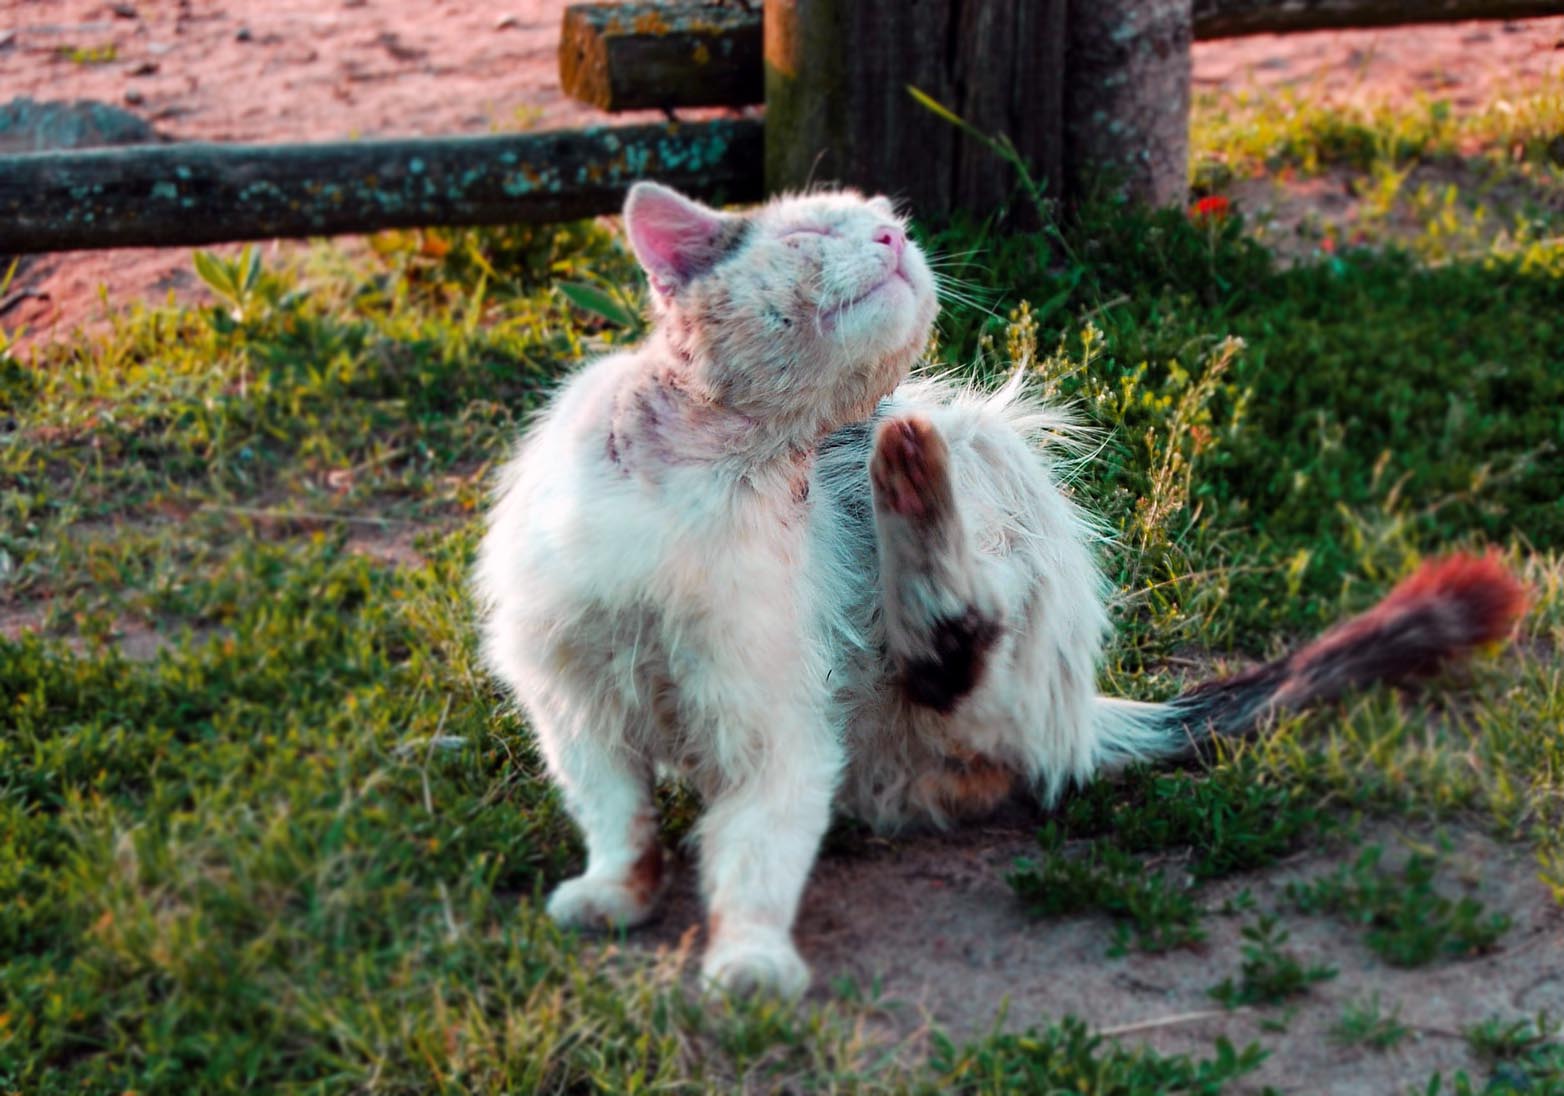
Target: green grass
[[1307, 130], [300, 846], [1441, 181]]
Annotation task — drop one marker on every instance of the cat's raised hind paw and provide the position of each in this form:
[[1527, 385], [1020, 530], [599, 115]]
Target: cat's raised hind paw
[[756, 965], [599, 903], [910, 469]]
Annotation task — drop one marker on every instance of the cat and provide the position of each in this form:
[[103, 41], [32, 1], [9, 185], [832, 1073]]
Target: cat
[[753, 552]]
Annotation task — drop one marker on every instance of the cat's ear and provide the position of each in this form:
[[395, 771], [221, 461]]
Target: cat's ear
[[675, 238]]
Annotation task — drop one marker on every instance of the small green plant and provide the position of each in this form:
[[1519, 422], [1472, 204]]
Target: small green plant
[[1000, 145], [1153, 912], [1068, 1058], [1522, 1056], [1268, 974], [88, 55], [1366, 1022], [234, 281], [612, 305], [1533, 1042], [1409, 923], [1242, 902]]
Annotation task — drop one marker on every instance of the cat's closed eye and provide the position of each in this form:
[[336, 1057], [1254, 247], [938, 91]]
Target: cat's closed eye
[[794, 235]]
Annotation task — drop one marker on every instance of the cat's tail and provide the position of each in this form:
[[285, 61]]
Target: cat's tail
[[1442, 612]]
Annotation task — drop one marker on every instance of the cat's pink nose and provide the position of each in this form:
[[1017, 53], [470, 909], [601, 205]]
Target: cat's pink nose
[[893, 238]]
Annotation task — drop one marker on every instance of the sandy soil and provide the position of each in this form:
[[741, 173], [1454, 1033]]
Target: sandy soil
[[930, 918], [930, 921], [1467, 63], [285, 70]]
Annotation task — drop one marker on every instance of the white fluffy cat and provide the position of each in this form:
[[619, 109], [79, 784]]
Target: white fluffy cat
[[749, 551]]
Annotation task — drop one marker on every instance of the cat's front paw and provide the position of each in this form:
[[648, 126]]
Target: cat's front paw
[[595, 902], [756, 965]]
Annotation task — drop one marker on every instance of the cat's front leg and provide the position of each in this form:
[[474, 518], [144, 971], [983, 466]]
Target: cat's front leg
[[607, 791], [759, 839]]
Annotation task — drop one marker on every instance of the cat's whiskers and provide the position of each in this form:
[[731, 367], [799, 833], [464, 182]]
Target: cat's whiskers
[[958, 290], [963, 294]]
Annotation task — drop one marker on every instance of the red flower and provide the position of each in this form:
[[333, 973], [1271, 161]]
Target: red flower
[[1213, 207]]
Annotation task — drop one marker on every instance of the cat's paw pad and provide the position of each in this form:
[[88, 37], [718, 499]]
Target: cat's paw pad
[[910, 468], [588, 902], [746, 967]]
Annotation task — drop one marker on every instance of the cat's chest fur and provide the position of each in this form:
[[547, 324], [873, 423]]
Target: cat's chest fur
[[682, 591]]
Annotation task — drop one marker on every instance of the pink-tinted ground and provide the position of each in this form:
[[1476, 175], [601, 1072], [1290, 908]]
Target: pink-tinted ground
[[929, 919]]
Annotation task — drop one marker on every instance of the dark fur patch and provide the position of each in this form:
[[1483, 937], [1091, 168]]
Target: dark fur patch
[[1229, 705], [726, 243], [961, 645]]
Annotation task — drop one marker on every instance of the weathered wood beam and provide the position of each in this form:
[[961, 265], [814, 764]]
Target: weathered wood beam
[[654, 55], [1230, 18], [838, 108], [200, 193], [684, 53]]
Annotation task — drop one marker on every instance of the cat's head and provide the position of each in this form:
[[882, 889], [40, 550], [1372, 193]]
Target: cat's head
[[812, 306]]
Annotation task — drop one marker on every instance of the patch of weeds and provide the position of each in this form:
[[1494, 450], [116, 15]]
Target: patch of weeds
[[1230, 820], [1069, 1058], [1153, 912], [1242, 902], [1522, 1056], [1366, 1022], [1268, 973], [1528, 1053], [1410, 924], [88, 55]]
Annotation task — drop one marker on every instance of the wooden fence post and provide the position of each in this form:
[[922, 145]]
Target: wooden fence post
[[838, 110], [1127, 105]]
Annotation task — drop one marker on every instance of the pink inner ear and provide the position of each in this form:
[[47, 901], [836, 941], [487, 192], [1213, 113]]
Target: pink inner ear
[[671, 235]]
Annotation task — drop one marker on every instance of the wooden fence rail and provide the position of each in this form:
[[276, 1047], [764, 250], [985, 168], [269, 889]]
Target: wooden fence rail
[[1231, 18], [688, 54], [155, 195]]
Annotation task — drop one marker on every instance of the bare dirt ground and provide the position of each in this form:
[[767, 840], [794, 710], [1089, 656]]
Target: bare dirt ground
[[930, 919], [285, 70], [930, 922]]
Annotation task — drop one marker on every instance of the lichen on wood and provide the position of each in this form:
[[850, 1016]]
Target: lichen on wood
[[198, 193], [660, 55]]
